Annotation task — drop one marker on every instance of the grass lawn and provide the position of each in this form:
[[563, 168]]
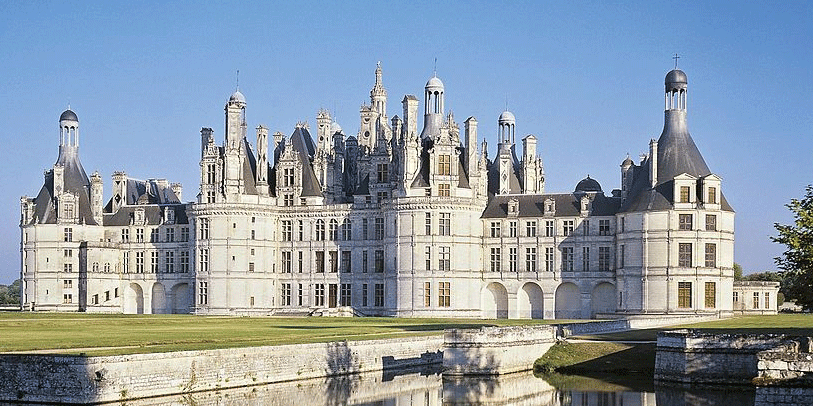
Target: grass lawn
[[792, 324], [75, 333]]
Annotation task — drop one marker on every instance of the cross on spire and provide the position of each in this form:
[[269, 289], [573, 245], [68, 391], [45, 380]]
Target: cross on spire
[[676, 57], [238, 79]]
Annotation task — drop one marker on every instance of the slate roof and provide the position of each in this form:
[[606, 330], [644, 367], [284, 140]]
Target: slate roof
[[567, 205], [303, 145], [513, 177], [153, 214], [75, 181]]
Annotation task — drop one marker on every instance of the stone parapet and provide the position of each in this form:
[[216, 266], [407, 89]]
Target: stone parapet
[[495, 350]]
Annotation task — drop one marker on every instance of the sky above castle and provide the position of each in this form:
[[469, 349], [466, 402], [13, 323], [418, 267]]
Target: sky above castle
[[585, 78]]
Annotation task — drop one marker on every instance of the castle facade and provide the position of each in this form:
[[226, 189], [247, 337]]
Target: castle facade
[[389, 221]]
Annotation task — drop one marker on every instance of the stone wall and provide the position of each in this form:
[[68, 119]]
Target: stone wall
[[695, 357], [633, 322], [73, 379], [495, 350]]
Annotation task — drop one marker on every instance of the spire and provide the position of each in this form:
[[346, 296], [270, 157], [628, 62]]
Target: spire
[[378, 95]]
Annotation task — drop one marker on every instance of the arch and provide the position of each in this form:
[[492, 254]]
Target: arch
[[568, 304], [602, 299], [494, 299], [530, 301], [180, 298], [159, 299], [133, 299]]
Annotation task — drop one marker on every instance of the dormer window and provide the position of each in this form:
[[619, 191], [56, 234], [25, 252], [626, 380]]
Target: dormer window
[[513, 207], [550, 207], [712, 195], [444, 165], [684, 194], [383, 173], [288, 177], [169, 215], [138, 216], [68, 210]]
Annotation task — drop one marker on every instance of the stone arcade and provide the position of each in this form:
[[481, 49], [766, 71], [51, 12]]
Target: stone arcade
[[388, 221]]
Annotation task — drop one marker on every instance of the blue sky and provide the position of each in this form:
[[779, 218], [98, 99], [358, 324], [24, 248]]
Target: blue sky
[[585, 77]]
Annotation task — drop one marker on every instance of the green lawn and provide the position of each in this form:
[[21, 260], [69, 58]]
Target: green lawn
[[793, 324], [75, 333]]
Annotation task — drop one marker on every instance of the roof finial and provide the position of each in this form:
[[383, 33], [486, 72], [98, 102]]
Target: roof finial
[[435, 70], [238, 80], [676, 57]]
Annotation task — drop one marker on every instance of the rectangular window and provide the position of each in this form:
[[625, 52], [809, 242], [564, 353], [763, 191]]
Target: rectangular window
[[530, 228], [549, 259], [604, 227], [125, 262], [67, 283], [299, 295], [711, 295], [125, 235], [711, 256], [586, 227], [767, 300], [347, 230], [334, 261], [67, 253], [711, 222], [346, 295], [585, 259], [67, 234], [364, 295], [736, 297], [204, 231], [364, 227], [287, 230], [319, 294], [756, 300], [428, 224], [530, 259], [621, 256], [623, 224], [495, 259], [684, 194], [428, 257], [383, 173], [549, 228], [210, 173], [320, 261], [288, 177], [288, 199], [140, 262], [364, 262], [301, 230], [685, 254], [169, 262], [379, 295], [603, 258], [444, 260], [184, 234], [567, 227], [346, 261], [184, 261], [154, 261], [684, 295], [445, 224], [512, 259], [154, 235], [379, 261], [684, 222], [712, 198], [300, 261], [170, 235], [427, 294], [379, 228], [287, 262], [444, 294], [512, 229], [286, 294], [67, 298], [444, 164], [67, 268], [204, 260], [203, 293], [495, 229], [567, 259], [444, 190]]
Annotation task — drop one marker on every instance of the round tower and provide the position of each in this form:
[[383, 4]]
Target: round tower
[[68, 129]]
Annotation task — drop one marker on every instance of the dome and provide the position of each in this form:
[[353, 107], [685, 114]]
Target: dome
[[434, 83], [675, 78], [627, 162], [68, 115], [507, 117], [588, 185], [237, 97], [335, 128]]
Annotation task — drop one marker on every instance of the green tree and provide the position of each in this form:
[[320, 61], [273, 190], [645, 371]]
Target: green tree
[[737, 272], [797, 260], [10, 295]]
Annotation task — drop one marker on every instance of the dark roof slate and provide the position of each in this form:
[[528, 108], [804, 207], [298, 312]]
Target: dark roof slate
[[567, 205]]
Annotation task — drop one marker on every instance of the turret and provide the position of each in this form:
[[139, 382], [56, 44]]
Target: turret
[[235, 136], [119, 190], [206, 138], [96, 189], [177, 188], [262, 160], [532, 172], [653, 163], [470, 126], [323, 133], [378, 95], [433, 108]]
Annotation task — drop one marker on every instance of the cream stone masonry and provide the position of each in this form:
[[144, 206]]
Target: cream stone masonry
[[389, 221]]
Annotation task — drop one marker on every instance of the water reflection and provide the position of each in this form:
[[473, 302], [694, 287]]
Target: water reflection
[[427, 387]]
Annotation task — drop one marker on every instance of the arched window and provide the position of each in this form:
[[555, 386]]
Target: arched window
[[334, 230], [320, 230]]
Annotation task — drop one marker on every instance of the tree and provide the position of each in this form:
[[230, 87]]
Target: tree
[[797, 260], [10, 295], [737, 272]]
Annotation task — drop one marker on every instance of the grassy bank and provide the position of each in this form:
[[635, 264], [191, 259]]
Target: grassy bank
[[75, 333], [598, 357]]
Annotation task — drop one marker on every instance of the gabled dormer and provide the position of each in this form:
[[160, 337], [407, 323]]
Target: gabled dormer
[[684, 191], [710, 191]]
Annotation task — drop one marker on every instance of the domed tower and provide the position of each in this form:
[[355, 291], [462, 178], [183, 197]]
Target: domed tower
[[433, 109], [506, 126], [507, 162], [68, 131]]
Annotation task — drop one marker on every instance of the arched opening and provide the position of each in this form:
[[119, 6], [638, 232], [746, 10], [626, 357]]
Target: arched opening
[[568, 305], [530, 302], [603, 299], [133, 299], [495, 301], [159, 300], [180, 298]]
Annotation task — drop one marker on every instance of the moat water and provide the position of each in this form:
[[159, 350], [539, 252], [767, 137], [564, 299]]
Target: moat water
[[428, 387]]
